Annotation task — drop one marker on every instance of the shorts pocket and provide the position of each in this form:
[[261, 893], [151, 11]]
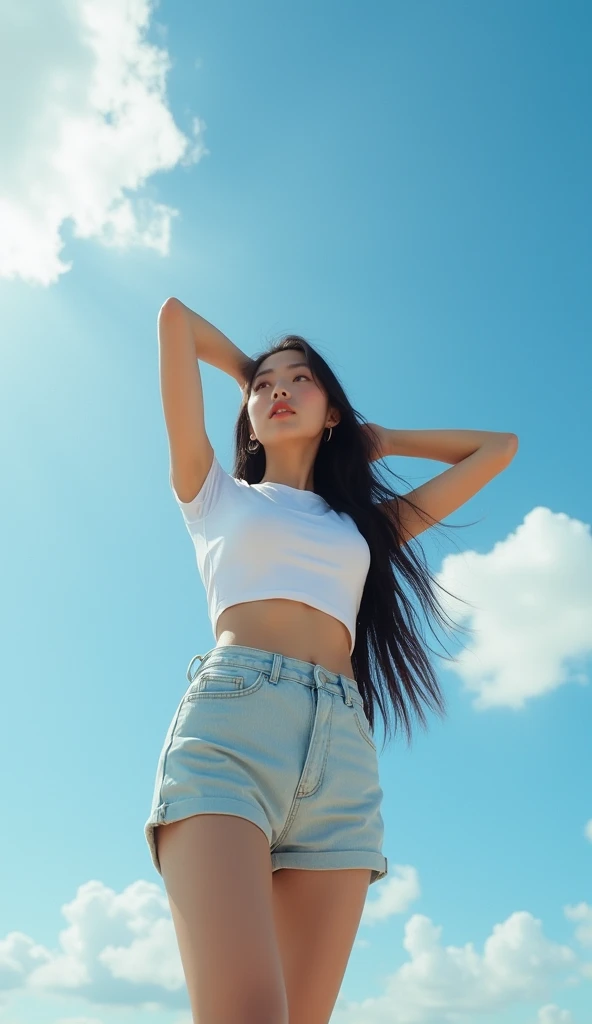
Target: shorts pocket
[[364, 726], [219, 682]]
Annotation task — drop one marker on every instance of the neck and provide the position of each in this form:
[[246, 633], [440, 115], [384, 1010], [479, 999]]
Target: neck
[[289, 466]]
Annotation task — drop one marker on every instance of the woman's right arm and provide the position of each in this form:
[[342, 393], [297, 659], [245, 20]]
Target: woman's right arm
[[184, 337], [211, 346]]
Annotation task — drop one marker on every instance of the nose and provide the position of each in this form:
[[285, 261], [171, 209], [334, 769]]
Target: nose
[[280, 391]]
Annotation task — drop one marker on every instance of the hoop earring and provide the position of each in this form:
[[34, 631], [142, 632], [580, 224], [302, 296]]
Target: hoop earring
[[330, 434], [255, 449]]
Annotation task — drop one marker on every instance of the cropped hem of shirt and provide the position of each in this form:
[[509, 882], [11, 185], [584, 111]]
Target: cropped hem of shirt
[[266, 540], [292, 595]]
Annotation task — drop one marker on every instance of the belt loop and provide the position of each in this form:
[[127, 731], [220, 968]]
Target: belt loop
[[276, 668], [346, 693], [188, 673], [319, 676]]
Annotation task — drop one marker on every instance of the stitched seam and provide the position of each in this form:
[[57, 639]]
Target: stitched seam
[[311, 792], [362, 733], [167, 752], [225, 694], [295, 803]]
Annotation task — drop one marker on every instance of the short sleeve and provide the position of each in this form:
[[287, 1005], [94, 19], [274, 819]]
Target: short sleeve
[[207, 497]]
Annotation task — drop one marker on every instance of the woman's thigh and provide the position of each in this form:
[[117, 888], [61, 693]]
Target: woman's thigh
[[217, 873], [317, 916]]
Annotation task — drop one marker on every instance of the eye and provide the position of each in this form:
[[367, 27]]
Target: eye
[[262, 382]]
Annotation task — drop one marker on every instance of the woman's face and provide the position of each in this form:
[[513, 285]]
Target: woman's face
[[285, 376]]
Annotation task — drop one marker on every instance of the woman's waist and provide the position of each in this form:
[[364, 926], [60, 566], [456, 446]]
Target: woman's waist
[[234, 658], [288, 627]]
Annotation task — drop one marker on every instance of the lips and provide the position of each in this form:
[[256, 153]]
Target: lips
[[279, 407]]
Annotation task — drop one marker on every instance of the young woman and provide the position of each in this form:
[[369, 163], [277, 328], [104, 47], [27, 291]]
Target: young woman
[[267, 783]]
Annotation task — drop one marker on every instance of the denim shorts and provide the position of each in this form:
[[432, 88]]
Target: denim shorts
[[282, 742]]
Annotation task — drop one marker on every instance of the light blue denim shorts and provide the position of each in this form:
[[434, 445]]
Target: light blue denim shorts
[[284, 743]]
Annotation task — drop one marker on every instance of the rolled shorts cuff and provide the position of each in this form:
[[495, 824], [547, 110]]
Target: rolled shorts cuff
[[321, 861], [325, 860], [165, 814], [332, 859]]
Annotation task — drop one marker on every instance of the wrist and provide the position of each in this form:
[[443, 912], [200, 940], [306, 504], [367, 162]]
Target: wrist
[[391, 441], [242, 369], [382, 443]]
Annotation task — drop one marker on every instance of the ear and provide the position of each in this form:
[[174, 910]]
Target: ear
[[334, 417]]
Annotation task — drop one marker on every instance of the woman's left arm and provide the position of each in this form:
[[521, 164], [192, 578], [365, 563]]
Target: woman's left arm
[[477, 456], [442, 445]]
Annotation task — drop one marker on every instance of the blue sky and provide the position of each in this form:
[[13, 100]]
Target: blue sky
[[407, 185]]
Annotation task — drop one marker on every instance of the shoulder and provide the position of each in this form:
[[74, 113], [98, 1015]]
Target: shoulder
[[218, 486]]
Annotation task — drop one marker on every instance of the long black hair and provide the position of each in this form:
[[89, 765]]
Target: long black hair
[[388, 660]]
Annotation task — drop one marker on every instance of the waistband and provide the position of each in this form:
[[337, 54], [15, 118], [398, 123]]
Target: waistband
[[278, 664]]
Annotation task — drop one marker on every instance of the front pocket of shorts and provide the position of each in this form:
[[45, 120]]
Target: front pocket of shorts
[[363, 727], [216, 683]]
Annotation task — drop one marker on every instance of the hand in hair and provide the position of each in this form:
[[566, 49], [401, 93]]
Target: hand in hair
[[379, 438]]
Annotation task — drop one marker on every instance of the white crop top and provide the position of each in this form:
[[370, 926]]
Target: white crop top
[[256, 541]]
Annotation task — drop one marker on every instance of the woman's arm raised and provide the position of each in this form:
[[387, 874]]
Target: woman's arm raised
[[184, 337], [211, 346]]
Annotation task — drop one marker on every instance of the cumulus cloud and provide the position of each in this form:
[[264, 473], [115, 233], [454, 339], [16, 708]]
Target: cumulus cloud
[[452, 983], [530, 610], [120, 949], [551, 1014], [85, 123], [582, 914], [395, 894]]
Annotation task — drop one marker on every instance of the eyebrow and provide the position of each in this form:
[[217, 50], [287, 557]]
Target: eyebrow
[[270, 369]]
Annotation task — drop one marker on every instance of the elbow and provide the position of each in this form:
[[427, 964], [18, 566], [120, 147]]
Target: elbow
[[512, 442], [168, 305]]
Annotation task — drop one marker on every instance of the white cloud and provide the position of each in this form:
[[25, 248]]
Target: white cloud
[[117, 948], [452, 983], [395, 894], [588, 830], [551, 1014], [120, 949], [85, 123], [531, 613], [581, 912]]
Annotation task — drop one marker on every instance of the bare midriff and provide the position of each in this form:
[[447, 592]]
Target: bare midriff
[[290, 628]]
